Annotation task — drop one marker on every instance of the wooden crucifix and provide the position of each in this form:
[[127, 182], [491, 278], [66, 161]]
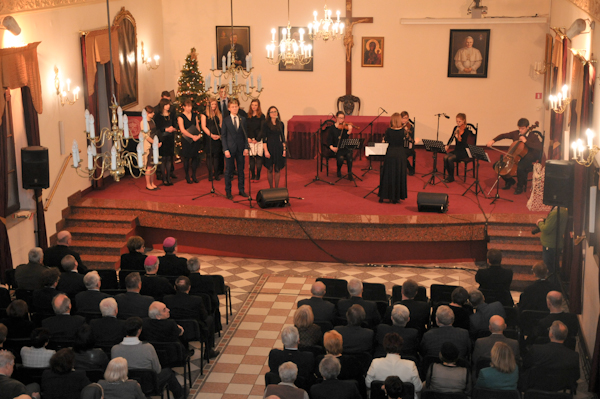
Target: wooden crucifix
[[349, 41]]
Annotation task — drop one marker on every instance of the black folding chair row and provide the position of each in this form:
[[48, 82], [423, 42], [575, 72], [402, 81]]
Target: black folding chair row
[[222, 289], [174, 354], [148, 380], [109, 278], [191, 333], [408, 390], [421, 294]]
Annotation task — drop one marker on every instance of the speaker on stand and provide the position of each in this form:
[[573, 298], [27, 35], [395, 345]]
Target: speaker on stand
[[35, 168], [558, 183]]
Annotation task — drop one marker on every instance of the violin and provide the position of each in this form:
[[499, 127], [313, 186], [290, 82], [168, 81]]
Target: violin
[[346, 125], [507, 165]]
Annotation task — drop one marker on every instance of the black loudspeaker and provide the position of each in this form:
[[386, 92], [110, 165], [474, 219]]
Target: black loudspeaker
[[273, 197], [432, 202], [558, 183], [35, 168]]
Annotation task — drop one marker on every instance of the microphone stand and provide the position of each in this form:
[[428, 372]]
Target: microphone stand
[[212, 191], [318, 145], [244, 169], [360, 136]]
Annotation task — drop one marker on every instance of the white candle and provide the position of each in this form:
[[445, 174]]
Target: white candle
[[75, 151], [76, 93], [251, 80], [113, 158], [247, 64], [212, 62], [125, 126], [230, 87], [157, 59], [120, 117], [90, 153], [140, 153], [219, 82], [564, 91], [574, 147], [68, 84], [87, 121], [247, 88], [228, 59], [250, 59], [259, 80], [224, 63], [145, 120], [207, 83], [92, 127], [215, 89], [155, 150]]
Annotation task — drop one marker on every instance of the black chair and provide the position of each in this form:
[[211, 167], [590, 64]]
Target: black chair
[[9, 279], [536, 394], [325, 154], [28, 375], [109, 278], [89, 315], [482, 363], [173, 354], [551, 380], [25, 295], [325, 326], [441, 293], [5, 299], [427, 394], [222, 289], [397, 294], [316, 350], [271, 379], [502, 296], [92, 391], [191, 333], [335, 289], [377, 293], [408, 390], [15, 344], [529, 319], [95, 375], [483, 393], [148, 380], [58, 344], [467, 161], [364, 358], [512, 316], [114, 292]]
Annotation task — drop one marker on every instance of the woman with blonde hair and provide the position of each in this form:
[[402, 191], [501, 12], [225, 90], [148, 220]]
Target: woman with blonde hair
[[116, 385], [310, 333], [503, 373], [462, 136], [211, 122], [392, 181]]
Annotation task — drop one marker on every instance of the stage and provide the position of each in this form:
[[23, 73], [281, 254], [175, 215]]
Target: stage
[[328, 223]]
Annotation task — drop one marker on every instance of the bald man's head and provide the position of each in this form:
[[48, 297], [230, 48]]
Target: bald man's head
[[63, 237], [497, 325], [554, 300], [318, 289], [558, 332]]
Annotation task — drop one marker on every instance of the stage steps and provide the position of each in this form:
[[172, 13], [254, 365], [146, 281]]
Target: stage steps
[[520, 249]]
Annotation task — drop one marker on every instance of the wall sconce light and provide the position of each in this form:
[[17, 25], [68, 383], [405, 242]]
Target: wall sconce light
[[579, 150], [541, 67], [560, 101], [62, 93], [148, 61]]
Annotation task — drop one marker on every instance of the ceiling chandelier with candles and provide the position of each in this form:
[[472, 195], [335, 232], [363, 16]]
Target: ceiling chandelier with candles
[[291, 51], [326, 28]]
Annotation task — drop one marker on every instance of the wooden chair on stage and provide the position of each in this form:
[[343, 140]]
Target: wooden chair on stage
[[467, 161], [325, 154]]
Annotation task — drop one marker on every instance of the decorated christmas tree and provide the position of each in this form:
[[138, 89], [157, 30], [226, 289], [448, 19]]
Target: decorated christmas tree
[[191, 85]]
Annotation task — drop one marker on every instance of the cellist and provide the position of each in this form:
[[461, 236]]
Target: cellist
[[534, 146]]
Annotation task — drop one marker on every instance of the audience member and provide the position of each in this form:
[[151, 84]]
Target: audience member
[[420, 312], [322, 310], [3, 334], [152, 284], [356, 338], [158, 327], [36, 355], [108, 330], [42, 298], [87, 357], [17, 320], [554, 301], [410, 336], [170, 263], [29, 275], [63, 326], [54, 255], [503, 373], [143, 356], [310, 333], [116, 385], [288, 372], [447, 376], [5, 298], [495, 277], [432, 341], [553, 355], [480, 320], [355, 288], [331, 387], [131, 303], [534, 295], [9, 387], [71, 282], [203, 285], [61, 381], [392, 364], [134, 259], [483, 346], [462, 310], [393, 387], [89, 301], [290, 353]]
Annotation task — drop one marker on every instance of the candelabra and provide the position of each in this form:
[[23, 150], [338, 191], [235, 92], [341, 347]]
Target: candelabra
[[325, 28], [62, 93], [560, 101], [118, 158], [291, 52], [235, 73], [148, 61], [541, 68], [580, 151]]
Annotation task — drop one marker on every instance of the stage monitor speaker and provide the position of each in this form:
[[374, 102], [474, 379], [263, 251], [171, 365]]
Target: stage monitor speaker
[[34, 167], [558, 183], [273, 197], [432, 202]]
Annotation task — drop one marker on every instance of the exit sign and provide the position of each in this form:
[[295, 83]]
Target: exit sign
[[538, 96]]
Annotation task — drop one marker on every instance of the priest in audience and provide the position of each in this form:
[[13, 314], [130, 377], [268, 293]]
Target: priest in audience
[[290, 353], [433, 339], [483, 346], [29, 275], [42, 299], [54, 255], [355, 288], [331, 387], [71, 282], [322, 310], [89, 301], [108, 330], [410, 336], [131, 303], [288, 372], [152, 284], [134, 259], [11, 388], [480, 320], [159, 327], [356, 338], [170, 263], [63, 326], [534, 295]]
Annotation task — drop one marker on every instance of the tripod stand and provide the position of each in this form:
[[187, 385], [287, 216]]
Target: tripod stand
[[318, 145], [212, 191], [478, 154], [497, 184]]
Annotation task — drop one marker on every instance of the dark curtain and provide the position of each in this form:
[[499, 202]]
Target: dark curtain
[[556, 120], [6, 259], [32, 128]]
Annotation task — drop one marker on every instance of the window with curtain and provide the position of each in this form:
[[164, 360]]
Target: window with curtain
[[12, 181]]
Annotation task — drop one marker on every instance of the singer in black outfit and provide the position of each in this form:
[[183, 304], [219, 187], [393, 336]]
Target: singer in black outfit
[[255, 139], [462, 136], [165, 123], [192, 141], [392, 183], [211, 126], [274, 146], [337, 133]]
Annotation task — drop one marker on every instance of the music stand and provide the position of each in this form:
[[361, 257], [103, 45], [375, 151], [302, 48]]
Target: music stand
[[351, 144], [477, 154], [434, 146], [318, 145]]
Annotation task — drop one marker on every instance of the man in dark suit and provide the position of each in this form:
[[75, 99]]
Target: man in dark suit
[[204, 285], [71, 282], [159, 327], [152, 284], [355, 288], [63, 326], [534, 295], [433, 339], [134, 259], [480, 320], [42, 298], [400, 317], [54, 255], [89, 301], [185, 306], [420, 312], [238, 50], [170, 263], [322, 310], [355, 338], [331, 387], [9, 387], [235, 147], [495, 277], [288, 372], [108, 330], [29, 275], [483, 346], [132, 303], [290, 353], [554, 302]]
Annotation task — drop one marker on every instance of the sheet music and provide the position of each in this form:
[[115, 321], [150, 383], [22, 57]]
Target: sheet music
[[377, 149]]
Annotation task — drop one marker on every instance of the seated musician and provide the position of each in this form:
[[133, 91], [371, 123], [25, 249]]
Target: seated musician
[[461, 135], [335, 135], [534, 146]]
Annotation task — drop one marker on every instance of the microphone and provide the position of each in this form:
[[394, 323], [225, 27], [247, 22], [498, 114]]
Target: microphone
[[446, 116], [383, 110]]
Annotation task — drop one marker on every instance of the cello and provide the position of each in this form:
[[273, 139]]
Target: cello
[[508, 163]]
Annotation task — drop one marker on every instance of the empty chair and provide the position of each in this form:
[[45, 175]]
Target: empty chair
[[109, 278], [408, 391], [335, 289], [483, 393], [441, 293], [222, 289]]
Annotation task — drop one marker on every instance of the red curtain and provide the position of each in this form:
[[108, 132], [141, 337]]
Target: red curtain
[[6, 258]]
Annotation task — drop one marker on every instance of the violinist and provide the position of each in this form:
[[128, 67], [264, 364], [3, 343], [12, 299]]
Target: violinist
[[336, 133], [534, 146], [462, 136], [409, 141]]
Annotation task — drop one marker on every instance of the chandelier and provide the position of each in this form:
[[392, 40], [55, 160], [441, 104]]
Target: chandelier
[[560, 101], [579, 150], [291, 51], [235, 73], [325, 28]]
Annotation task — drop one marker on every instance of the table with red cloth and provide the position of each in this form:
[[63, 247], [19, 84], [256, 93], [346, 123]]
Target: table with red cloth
[[302, 131]]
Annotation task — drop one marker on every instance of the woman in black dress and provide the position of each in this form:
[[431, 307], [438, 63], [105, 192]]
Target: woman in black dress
[[211, 126], [255, 136], [165, 124], [192, 141], [274, 145], [392, 182], [462, 135], [150, 136]]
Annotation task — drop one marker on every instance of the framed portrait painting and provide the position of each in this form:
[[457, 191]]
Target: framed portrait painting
[[295, 34], [239, 37], [469, 53], [127, 89], [372, 52]]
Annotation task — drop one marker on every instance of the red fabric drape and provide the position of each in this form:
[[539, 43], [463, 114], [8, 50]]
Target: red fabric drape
[[32, 128], [6, 258]]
